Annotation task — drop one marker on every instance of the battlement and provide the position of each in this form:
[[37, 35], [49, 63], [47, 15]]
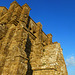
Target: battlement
[[23, 13]]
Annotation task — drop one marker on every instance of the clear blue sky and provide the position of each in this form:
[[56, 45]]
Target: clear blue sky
[[58, 18]]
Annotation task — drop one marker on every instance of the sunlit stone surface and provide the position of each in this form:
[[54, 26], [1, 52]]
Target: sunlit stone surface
[[24, 48]]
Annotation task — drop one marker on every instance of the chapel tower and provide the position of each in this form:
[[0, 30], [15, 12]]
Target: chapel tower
[[24, 48]]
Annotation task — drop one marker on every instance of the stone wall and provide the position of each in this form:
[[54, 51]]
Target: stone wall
[[24, 48]]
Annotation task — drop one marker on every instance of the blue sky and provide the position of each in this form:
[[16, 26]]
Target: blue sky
[[57, 18]]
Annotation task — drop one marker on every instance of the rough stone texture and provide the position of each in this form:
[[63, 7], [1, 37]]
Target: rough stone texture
[[24, 48]]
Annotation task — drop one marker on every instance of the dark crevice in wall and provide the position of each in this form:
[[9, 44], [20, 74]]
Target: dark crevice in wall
[[0, 38], [28, 51], [28, 22]]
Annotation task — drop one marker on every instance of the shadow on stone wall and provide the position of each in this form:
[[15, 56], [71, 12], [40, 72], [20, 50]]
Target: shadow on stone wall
[[28, 22], [28, 51]]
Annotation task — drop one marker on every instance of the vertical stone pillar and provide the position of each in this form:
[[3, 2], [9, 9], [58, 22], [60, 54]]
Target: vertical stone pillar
[[26, 9], [16, 61], [15, 10], [3, 10], [37, 50], [16, 15], [12, 6], [39, 31], [24, 17], [4, 48], [49, 38]]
